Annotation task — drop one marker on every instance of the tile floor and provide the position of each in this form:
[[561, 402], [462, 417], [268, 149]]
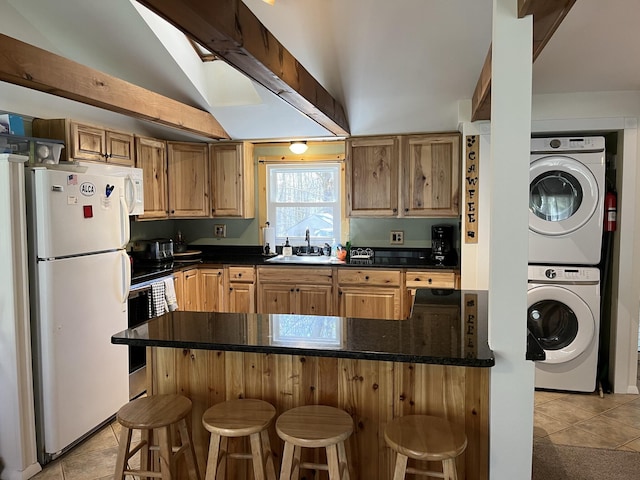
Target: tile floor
[[562, 418]]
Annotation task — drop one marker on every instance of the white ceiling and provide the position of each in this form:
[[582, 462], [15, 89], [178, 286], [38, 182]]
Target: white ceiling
[[396, 66]]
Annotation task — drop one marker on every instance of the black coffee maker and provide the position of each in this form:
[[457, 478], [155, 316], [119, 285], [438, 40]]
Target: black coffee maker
[[443, 252]]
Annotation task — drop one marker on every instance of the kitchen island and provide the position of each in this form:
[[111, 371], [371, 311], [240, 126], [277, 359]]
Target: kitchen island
[[435, 363]]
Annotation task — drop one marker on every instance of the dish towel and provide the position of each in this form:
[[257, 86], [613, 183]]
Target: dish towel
[[170, 295], [157, 304]]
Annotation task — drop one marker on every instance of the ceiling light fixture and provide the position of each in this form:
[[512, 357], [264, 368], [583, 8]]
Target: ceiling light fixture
[[270, 2], [298, 147]]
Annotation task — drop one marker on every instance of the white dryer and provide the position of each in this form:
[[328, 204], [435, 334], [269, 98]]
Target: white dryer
[[563, 314], [566, 200]]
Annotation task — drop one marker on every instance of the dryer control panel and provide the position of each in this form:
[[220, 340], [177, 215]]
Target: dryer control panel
[[567, 144], [558, 274]]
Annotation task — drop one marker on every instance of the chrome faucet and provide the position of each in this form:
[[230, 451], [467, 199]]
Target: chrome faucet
[[307, 239]]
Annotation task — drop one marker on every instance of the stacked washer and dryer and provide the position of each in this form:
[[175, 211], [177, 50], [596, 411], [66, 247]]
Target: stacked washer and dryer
[[566, 212]]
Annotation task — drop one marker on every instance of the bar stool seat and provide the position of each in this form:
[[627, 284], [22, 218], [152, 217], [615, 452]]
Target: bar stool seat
[[240, 418], [424, 437], [314, 426], [155, 413]]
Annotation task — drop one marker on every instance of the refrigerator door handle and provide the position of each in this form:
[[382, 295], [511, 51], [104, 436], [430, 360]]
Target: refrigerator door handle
[[126, 276], [124, 221]]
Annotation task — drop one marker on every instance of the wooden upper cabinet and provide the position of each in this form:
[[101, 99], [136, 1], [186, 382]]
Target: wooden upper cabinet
[[151, 157], [372, 176], [188, 179], [232, 180], [431, 175], [87, 142]]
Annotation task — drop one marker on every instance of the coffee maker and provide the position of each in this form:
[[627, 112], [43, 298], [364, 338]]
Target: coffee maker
[[443, 252]]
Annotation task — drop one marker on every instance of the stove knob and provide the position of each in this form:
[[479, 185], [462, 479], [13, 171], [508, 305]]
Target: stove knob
[[550, 273]]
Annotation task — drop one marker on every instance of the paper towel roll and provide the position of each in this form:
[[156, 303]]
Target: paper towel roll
[[270, 238]]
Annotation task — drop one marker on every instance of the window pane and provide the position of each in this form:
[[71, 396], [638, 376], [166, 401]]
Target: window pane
[[304, 196]]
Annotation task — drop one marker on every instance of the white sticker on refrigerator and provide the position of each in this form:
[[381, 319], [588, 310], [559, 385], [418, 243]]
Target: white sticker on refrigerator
[[72, 200], [87, 189]]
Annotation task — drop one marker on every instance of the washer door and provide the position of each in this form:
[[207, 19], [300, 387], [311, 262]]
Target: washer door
[[563, 195], [561, 321]]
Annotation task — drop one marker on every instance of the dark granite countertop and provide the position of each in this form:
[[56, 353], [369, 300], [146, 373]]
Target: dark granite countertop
[[446, 327]]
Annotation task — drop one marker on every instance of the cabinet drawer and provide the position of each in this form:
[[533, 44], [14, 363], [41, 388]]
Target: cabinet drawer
[[242, 274], [298, 275], [369, 277], [430, 279]]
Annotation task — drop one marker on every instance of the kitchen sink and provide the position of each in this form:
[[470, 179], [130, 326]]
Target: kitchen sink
[[313, 259]]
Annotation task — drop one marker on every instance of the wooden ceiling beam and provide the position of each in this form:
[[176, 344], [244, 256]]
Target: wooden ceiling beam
[[547, 17], [32, 67], [233, 33]]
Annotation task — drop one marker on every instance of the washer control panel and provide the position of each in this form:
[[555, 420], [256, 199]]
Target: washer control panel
[[563, 274], [566, 144]]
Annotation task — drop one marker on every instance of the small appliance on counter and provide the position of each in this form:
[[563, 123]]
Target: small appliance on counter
[[154, 252], [443, 251]]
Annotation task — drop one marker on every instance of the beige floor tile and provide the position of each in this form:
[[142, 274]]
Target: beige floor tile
[[626, 414], [542, 396], [592, 403], [101, 440], [51, 471], [558, 410], [90, 465], [610, 429], [633, 445], [580, 438], [544, 425]]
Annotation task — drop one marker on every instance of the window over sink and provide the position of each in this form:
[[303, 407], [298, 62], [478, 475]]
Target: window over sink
[[305, 195]]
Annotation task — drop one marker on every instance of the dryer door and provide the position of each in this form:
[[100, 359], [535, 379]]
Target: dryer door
[[563, 195], [561, 322]]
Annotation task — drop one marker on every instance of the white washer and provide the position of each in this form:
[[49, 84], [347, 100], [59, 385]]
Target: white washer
[[563, 314], [566, 200]]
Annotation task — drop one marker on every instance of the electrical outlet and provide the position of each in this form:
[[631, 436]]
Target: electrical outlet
[[219, 230], [397, 237]]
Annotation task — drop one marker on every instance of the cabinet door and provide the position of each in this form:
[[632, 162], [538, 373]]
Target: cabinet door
[[314, 299], [151, 157], [119, 148], [431, 175], [211, 289], [372, 176], [370, 302], [191, 291], [178, 285], [241, 297], [87, 142], [188, 179], [232, 180], [276, 298]]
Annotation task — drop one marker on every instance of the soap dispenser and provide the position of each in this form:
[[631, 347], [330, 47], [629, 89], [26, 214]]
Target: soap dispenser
[[287, 251]]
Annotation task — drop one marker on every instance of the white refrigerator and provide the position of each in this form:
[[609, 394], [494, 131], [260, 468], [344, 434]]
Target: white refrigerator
[[80, 276]]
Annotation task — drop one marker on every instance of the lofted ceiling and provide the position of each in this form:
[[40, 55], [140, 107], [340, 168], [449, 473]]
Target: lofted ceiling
[[396, 67]]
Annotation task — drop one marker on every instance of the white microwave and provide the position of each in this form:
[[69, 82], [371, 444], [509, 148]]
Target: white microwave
[[133, 183]]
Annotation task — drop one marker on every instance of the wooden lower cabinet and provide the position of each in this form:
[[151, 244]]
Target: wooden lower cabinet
[[178, 285], [240, 290], [303, 291], [191, 291], [372, 392], [370, 293], [211, 289]]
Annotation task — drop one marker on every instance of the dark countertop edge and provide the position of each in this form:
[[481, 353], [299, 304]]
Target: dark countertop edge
[[309, 352]]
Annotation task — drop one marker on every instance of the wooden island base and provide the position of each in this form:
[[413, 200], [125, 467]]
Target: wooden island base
[[372, 392]]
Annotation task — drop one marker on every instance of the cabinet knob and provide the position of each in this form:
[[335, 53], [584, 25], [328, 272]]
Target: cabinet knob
[[173, 211], [239, 275], [429, 280], [366, 277], [395, 210], [297, 289], [291, 290], [406, 209]]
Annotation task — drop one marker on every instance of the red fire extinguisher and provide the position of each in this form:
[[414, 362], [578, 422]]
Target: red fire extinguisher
[[610, 212]]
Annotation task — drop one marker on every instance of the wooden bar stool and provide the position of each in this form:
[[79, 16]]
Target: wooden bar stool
[[240, 418], [155, 413], [424, 437], [314, 426]]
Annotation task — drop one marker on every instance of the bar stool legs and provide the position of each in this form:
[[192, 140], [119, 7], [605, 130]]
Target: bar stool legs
[[314, 426], [155, 413], [424, 437], [240, 418]]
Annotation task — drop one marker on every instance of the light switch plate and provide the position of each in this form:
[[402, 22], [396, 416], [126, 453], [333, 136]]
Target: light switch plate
[[397, 237]]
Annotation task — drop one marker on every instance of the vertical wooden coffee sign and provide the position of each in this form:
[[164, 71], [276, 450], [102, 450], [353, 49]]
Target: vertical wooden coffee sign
[[472, 186], [470, 325]]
